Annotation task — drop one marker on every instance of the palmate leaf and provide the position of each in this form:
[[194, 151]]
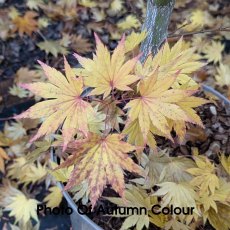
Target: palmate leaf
[[26, 172], [129, 22], [177, 194], [62, 174], [138, 197], [221, 195], [170, 61], [22, 208], [54, 198], [134, 39], [158, 103], [15, 201], [26, 24], [205, 178], [161, 167], [64, 107], [220, 219], [108, 72], [100, 161]]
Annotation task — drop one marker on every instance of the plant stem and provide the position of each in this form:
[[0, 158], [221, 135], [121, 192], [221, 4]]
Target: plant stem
[[156, 24]]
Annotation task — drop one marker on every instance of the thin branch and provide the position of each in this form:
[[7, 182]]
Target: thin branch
[[220, 29], [179, 28]]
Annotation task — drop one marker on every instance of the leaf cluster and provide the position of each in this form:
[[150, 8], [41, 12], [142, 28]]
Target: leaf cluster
[[150, 99]]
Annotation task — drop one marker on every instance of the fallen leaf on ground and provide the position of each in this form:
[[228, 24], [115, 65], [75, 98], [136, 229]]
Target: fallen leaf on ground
[[26, 24]]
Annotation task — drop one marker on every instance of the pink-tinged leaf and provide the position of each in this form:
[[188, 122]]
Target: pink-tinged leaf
[[95, 158], [64, 106]]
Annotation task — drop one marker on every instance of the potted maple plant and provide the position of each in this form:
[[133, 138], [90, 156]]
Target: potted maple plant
[[131, 100]]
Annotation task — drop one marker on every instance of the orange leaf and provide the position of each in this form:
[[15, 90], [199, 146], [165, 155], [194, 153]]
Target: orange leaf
[[26, 24]]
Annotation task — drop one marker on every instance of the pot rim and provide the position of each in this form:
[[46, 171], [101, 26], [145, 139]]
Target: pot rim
[[67, 196], [70, 201]]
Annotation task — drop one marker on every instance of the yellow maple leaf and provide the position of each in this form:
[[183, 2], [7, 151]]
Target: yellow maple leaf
[[177, 194], [205, 178], [14, 130], [134, 39], [22, 208], [198, 19], [61, 174], [100, 161], [18, 91], [158, 103], [34, 4], [54, 198], [221, 195], [14, 201], [199, 42], [213, 51], [138, 197], [108, 72], [116, 6], [170, 61], [98, 15], [129, 22], [26, 172], [26, 24], [43, 22], [65, 106]]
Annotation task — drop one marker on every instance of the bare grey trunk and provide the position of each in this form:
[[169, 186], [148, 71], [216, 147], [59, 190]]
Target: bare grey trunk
[[156, 24]]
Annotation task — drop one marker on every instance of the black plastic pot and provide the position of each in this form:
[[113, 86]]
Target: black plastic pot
[[82, 222]]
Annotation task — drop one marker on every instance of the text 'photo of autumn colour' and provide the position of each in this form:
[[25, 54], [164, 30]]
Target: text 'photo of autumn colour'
[[114, 115]]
